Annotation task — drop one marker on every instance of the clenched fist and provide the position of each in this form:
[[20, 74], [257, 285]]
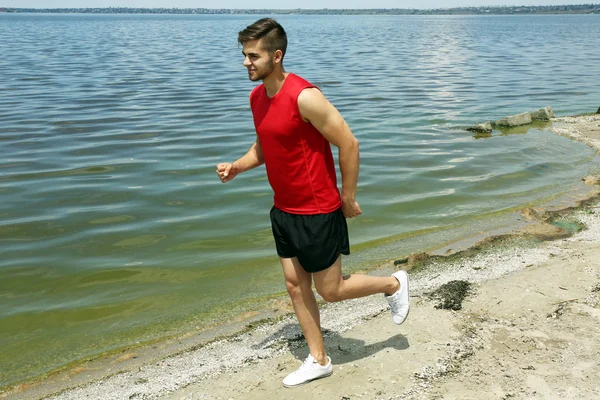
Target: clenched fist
[[227, 171]]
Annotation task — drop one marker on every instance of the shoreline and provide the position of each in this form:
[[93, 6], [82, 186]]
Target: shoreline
[[178, 368]]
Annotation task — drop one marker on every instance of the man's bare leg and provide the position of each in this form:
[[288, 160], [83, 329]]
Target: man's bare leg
[[299, 286], [332, 286]]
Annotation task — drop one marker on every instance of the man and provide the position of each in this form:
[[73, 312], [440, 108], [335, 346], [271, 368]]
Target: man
[[295, 125]]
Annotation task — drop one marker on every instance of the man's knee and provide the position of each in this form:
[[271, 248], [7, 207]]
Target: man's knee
[[296, 289], [292, 287], [329, 294]]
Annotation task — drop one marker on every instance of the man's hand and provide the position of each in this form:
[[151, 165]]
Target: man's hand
[[350, 208], [227, 171]]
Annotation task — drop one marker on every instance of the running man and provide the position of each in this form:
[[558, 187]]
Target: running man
[[295, 125]]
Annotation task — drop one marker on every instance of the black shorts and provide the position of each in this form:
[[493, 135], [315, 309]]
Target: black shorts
[[317, 240]]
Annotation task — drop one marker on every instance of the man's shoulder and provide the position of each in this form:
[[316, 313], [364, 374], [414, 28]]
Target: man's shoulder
[[298, 84], [297, 80]]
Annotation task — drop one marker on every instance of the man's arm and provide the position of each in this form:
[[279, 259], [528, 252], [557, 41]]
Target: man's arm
[[317, 110], [252, 159]]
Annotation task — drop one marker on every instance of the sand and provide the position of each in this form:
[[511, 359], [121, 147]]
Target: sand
[[529, 329]]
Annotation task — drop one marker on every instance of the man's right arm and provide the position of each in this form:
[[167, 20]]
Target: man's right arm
[[252, 159]]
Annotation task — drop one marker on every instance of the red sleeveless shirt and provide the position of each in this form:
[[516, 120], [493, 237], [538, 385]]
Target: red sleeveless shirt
[[297, 156]]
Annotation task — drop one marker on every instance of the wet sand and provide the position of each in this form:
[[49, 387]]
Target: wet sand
[[529, 329]]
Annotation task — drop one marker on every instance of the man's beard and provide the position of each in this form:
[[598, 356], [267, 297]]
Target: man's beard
[[270, 67]]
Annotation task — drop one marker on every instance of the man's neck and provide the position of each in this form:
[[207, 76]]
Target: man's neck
[[274, 82]]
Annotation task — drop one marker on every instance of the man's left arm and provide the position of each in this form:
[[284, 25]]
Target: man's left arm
[[317, 110]]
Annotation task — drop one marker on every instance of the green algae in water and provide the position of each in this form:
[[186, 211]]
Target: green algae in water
[[568, 225]]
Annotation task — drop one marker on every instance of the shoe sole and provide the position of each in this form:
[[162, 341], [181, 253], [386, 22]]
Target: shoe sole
[[304, 383]]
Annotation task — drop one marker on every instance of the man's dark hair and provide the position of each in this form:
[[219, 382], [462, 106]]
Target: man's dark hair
[[272, 33]]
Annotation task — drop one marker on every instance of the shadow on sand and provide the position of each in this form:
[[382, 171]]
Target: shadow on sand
[[341, 349]]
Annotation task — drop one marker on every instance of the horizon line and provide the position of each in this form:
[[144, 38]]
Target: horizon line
[[299, 8]]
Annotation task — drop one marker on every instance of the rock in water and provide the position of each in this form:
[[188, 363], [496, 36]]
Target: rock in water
[[515, 120], [486, 127], [543, 114]]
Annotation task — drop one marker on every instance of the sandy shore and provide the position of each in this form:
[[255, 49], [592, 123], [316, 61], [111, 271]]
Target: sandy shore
[[529, 329]]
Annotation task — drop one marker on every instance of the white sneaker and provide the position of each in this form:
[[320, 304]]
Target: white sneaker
[[399, 300], [308, 371]]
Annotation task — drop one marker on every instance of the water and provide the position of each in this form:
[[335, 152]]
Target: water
[[114, 228]]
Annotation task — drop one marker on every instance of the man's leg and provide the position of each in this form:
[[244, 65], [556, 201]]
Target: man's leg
[[332, 286], [299, 286]]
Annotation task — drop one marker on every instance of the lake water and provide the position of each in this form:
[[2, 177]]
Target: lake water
[[114, 228]]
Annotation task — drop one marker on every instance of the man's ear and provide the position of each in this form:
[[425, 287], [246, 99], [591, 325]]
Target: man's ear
[[278, 56]]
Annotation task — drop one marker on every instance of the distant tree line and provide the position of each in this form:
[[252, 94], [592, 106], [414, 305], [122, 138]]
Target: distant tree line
[[556, 9]]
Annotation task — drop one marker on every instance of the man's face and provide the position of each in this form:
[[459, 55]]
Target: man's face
[[257, 60]]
